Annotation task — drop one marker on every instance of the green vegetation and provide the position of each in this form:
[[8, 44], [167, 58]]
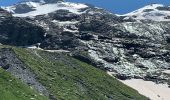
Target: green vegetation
[[70, 79], [13, 89]]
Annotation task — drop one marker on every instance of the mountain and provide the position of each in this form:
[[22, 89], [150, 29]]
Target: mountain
[[156, 12], [63, 50]]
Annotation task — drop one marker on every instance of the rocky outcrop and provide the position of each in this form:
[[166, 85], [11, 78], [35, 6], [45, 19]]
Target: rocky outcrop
[[18, 32]]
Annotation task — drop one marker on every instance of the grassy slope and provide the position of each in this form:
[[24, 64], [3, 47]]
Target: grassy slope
[[70, 79], [13, 89]]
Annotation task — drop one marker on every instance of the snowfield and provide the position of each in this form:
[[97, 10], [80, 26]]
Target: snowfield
[[43, 8], [149, 12], [149, 89]]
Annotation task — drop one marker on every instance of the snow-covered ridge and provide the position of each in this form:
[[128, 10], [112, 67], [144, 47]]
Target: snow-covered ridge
[[41, 8], [151, 12]]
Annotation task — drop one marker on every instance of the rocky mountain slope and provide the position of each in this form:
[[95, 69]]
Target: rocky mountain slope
[[69, 35], [56, 76]]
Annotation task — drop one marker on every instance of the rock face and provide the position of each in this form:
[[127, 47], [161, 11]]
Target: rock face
[[129, 47], [18, 32]]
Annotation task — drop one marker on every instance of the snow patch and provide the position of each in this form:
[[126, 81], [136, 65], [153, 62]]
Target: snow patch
[[166, 71], [38, 48], [149, 89], [69, 30], [64, 23], [66, 51]]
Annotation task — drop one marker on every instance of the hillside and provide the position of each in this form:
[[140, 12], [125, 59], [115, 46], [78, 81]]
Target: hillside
[[65, 77], [12, 89]]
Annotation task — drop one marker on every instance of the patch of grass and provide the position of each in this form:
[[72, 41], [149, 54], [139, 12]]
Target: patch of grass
[[13, 89], [70, 79]]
